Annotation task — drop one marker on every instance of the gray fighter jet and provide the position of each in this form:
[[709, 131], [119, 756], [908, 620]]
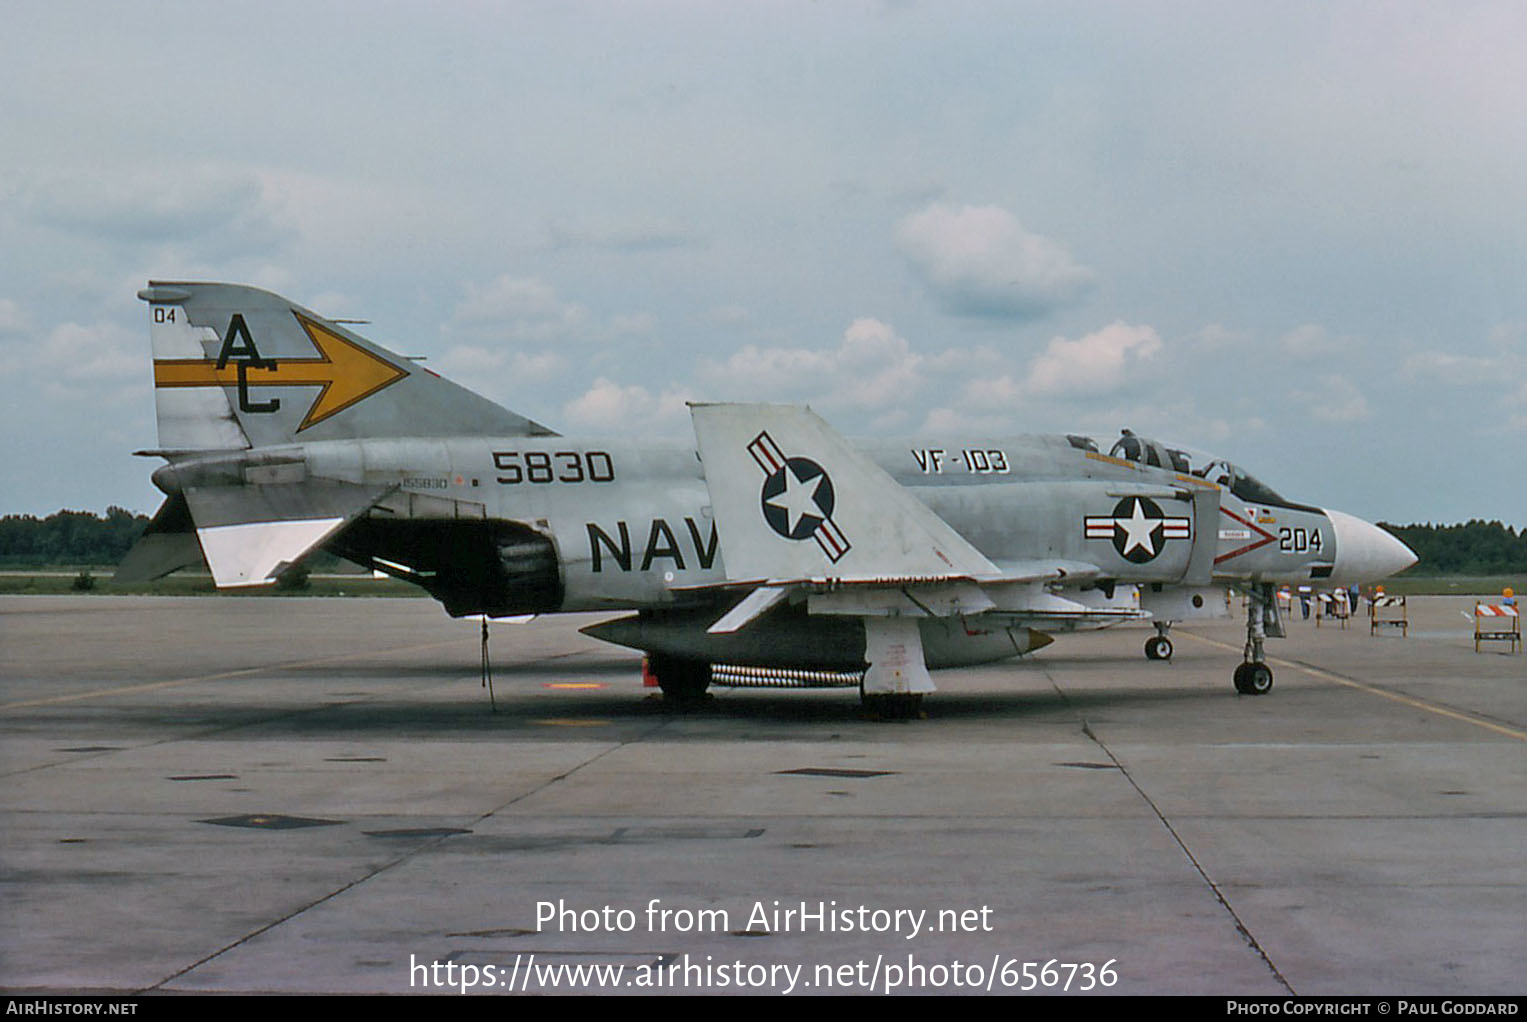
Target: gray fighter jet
[[772, 551]]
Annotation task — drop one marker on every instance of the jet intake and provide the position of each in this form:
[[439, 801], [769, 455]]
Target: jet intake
[[472, 566]]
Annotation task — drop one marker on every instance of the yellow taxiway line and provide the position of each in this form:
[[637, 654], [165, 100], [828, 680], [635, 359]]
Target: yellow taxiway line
[[1411, 701]]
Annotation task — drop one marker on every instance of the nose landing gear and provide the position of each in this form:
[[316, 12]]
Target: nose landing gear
[[1254, 677], [1158, 646]]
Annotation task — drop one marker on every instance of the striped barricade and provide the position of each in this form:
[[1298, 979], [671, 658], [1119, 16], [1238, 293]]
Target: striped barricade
[[1333, 605], [1388, 612], [1497, 622]]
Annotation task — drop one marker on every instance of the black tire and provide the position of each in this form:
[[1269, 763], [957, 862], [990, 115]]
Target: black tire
[[1158, 647], [1252, 679], [894, 705], [683, 682]]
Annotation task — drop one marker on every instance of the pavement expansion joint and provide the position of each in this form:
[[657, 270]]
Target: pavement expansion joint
[[1198, 867]]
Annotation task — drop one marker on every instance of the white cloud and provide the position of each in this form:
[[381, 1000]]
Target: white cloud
[[1306, 340], [77, 368], [878, 365], [1501, 367], [1506, 337], [469, 363], [1458, 370], [980, 261], [1311, 341], [537, 367], [465, 361], [1217, 336], [1334, 399], [334, 304], [1095, 364], [633, 324], [206, 211], [609, 406], [1487, 388], [994, 391], [958, 420], [12, 321], [655, 235], [529, 310], [98, 351], [873, 367], [521, 308], [1517, 417], [729, 315]]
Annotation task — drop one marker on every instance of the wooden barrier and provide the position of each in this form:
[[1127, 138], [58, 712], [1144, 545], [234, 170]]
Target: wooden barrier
[[1388, 612], [1497, 622], [1333, 605]]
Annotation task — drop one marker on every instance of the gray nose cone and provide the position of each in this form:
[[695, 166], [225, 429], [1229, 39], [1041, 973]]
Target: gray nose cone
[[1365, 552]]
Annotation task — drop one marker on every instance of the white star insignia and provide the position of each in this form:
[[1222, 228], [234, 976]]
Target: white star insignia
[[1138, 529], [799, 499]]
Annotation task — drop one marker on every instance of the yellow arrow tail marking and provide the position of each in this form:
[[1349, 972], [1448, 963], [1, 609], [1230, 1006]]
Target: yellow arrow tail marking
[[347, 373], [356, 373]]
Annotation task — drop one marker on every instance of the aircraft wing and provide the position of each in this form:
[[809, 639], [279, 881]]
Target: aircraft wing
[[1019, 590], [798, 509], [802, 515]]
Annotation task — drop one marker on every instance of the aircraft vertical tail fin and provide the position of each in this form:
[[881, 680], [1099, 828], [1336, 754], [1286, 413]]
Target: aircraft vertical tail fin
[[237, 367], [190, 417], [793, 499]]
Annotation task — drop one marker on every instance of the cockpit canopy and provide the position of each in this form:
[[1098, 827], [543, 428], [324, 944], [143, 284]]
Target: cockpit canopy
[[1149, 452], [1241, 483], [1139, 449]]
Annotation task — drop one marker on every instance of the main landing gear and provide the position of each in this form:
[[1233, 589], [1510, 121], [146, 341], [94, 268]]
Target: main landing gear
[[1254, 677], [891, 705], [683, 682], [1158, 646]]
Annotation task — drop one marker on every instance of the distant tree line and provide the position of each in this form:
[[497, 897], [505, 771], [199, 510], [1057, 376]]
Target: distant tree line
[[68, 538], [79, 537], [1473, 548]]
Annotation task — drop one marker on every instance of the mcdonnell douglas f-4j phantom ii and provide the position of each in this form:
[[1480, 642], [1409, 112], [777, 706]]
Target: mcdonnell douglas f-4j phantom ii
[[771, 545]]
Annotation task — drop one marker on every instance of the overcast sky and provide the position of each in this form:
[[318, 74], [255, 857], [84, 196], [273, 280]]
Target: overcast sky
[[1291, 234]]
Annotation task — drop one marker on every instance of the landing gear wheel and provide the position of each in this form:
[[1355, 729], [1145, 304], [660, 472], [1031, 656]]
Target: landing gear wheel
[[683, 681], [894, 705], [1253, 679], [1158, 647]]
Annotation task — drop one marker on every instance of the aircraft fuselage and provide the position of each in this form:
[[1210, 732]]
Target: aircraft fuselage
[[610, 524]]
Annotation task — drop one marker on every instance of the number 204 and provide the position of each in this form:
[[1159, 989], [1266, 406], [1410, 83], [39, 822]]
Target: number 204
[[1298, 540]]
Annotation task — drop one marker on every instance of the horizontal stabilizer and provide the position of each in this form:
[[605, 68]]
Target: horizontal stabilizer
[[251, 534], [167, 544], [158, 555], [254, 554]]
